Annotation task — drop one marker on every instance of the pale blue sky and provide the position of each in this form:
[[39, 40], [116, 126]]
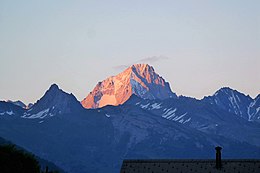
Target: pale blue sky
[[200, 45]]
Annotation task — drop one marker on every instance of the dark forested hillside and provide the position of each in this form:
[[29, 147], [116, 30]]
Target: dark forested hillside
[[14, 159]]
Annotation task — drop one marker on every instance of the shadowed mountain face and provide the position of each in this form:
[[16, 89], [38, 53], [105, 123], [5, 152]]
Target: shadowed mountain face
[[237, 103], [254, 109], [10, 109], [139, 79], [54, 102], [203, 116], [21, 104], [18, 103]]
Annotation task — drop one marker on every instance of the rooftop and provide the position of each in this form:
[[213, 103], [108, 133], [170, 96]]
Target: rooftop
[[189, 166]]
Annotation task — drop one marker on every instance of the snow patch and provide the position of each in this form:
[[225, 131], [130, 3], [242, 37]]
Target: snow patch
[[171, 116], [238, 98], [145, 106], [156, 106], [234, 104], [10, 112], [252, 111], [181, 121], [7, 112], [178, 118], [186, 120], [169, 112], [41, 114]]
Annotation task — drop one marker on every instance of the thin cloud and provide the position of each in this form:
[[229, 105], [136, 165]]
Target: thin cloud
[[121, 67], [153, 59], [148, 60]]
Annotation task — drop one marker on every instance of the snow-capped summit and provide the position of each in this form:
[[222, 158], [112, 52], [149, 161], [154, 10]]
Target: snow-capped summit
[[138, 79], [54, 102]]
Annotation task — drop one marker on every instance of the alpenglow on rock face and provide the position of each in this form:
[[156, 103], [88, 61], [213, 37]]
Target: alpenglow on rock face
[[139, 79]]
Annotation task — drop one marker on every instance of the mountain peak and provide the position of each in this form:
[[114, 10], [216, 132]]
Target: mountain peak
[[229, 91], [54, 101], [138, 79], [144, 70], [54, 87], [142, 67], [20, 104], [53, 92], [17, 103], [232, 101], [224, 90]]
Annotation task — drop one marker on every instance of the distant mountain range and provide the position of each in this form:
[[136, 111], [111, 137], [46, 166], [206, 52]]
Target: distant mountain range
[[145, 120], [21, 104]]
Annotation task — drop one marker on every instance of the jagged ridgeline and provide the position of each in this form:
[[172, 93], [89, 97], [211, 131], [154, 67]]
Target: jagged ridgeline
[[138, 79]]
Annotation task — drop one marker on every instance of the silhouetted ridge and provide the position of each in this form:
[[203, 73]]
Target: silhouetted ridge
[[10, 109], [55, 101]]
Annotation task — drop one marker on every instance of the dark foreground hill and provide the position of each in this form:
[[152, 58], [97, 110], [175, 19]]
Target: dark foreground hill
[[14, 159]]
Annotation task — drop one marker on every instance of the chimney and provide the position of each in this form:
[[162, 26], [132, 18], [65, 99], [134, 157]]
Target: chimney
[[218, 157]]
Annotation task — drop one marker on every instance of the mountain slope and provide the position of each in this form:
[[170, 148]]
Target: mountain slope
[[54, 102], [21, 104], [10, 109], [151, 136], [254, 110], [18, 103], [200, 115], [139, 79], [235, 102]]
